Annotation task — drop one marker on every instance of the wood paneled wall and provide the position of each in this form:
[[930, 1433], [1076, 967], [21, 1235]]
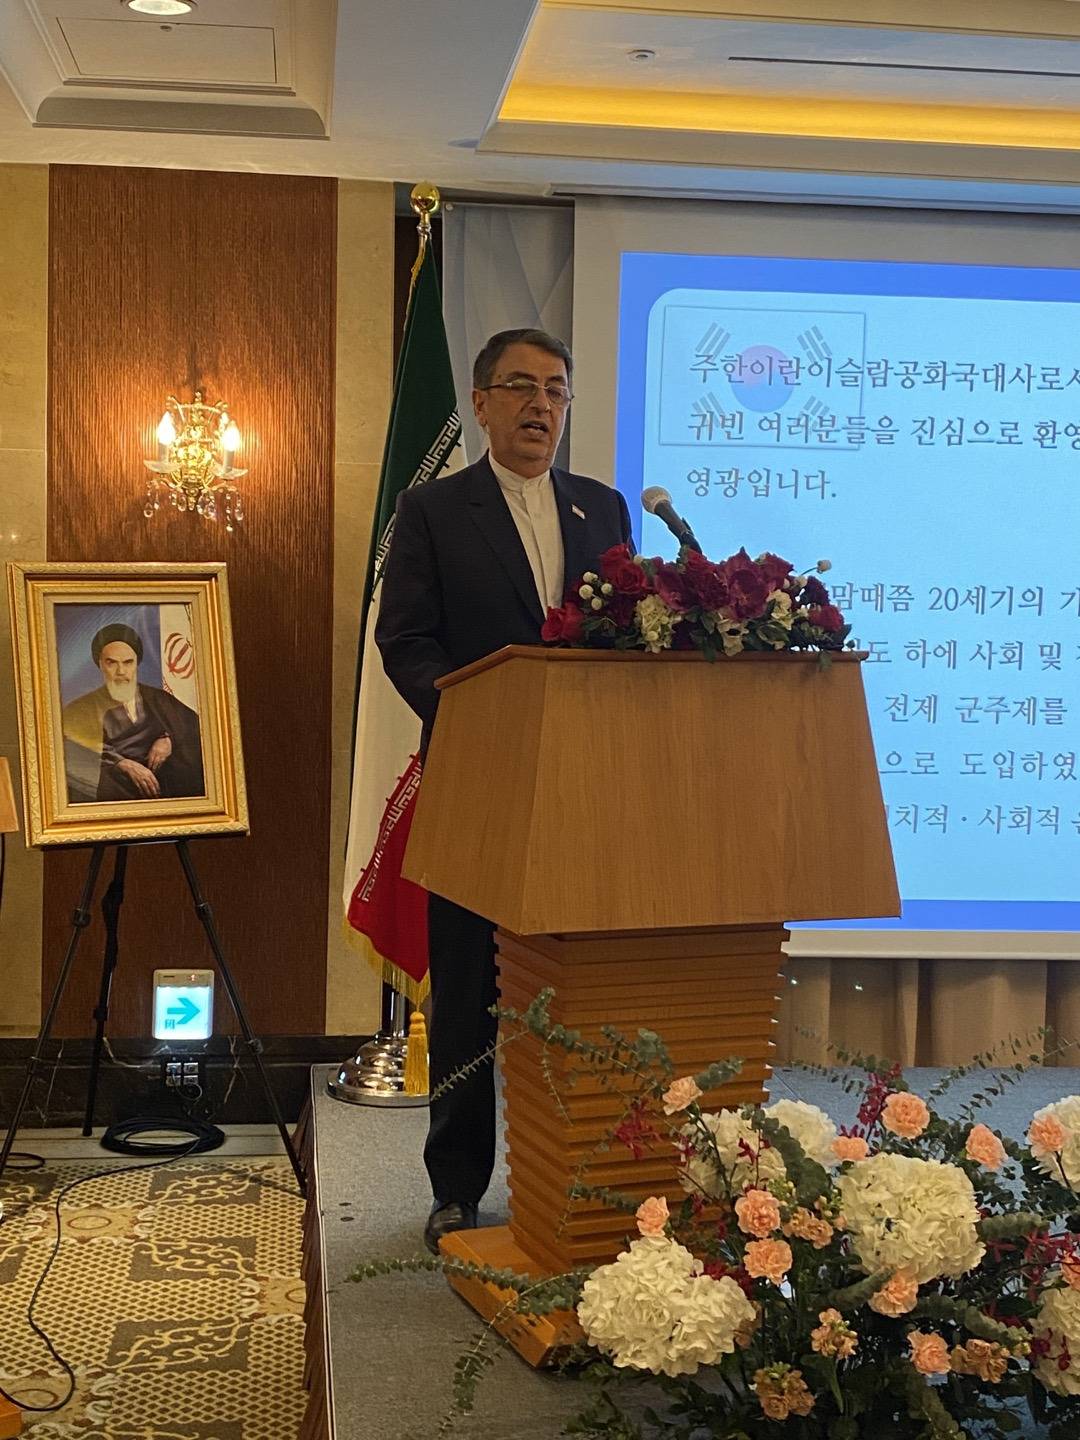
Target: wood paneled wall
[[163, 281]]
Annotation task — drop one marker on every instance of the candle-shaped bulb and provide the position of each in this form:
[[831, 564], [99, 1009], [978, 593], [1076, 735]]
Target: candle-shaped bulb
[[166, 430], [231, 438]]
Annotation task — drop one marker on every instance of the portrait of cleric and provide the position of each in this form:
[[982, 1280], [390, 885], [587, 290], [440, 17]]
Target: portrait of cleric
[[126, 738]]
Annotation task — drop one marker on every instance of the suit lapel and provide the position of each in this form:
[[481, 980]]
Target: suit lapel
[[491, 515], [580, 550]]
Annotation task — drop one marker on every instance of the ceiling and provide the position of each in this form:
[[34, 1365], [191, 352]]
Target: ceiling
[[941, 102]]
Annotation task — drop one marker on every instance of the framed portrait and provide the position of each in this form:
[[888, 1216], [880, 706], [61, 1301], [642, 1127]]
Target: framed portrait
[[126, 687]]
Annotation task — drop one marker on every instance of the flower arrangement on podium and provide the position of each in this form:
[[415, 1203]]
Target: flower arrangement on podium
[[691, 603]]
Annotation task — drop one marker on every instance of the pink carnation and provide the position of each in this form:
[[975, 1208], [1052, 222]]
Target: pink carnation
[[768, 1260], [985, 1147], [905, 1115], [680, 1093], [897, 1296], [1047, 1136], [929, 1353], [850, 1147], [652, 1215], [758, 1212]]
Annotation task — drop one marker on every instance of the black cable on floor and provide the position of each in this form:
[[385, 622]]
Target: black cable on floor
[[188, 1149], [123, 1136]]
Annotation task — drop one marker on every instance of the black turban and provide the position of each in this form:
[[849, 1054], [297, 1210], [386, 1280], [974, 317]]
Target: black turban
[[115, 632]]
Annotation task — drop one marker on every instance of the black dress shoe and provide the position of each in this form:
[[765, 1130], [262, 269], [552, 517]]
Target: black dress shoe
[[447, 1216]]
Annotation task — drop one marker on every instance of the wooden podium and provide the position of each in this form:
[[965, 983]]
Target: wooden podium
[[640, 827]]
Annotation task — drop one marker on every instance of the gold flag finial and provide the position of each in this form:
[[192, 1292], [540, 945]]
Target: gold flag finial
[[424, 199]]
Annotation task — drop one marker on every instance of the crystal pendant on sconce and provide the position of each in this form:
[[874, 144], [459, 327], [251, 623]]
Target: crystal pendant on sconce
[[194, 468]]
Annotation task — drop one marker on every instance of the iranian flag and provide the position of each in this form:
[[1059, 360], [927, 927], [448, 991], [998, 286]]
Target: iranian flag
[[386, 916]]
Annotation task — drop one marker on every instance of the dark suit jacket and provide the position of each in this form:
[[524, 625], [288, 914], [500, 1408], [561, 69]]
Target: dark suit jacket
[[457, 583]]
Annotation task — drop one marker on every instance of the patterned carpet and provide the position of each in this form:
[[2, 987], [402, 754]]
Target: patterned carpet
[[175, 1296]]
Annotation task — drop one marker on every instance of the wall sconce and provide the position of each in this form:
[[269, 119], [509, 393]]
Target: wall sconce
[[194, 468]]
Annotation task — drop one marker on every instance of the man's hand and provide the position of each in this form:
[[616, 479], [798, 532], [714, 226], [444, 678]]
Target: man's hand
[[144, 780], [160, 751]]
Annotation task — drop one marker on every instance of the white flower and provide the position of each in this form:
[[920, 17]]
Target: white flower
[[722, 1138], [1058, 1321], [1068, 1112], [596, 603], [731, 634], [810, 1126], [655, 622], [823, 566], [585, 591], [590, 577], [606, 588], [653, 1309], [781, 608], [903, 1212]]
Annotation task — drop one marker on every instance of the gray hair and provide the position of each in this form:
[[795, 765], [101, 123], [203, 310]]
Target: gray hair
[[489, 357]]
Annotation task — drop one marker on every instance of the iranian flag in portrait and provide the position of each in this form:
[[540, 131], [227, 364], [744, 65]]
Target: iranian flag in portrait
[[178, 655], [386, 915]]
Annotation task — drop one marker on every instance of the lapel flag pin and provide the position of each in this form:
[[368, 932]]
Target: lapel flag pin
[[579, 513]]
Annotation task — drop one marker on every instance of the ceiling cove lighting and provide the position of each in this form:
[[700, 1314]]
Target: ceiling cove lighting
[[161, 7]]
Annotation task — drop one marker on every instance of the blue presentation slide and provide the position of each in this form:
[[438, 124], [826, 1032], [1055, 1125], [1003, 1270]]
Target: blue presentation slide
[[917, 425]]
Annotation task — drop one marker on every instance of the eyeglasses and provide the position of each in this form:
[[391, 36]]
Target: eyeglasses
[[559, 396]]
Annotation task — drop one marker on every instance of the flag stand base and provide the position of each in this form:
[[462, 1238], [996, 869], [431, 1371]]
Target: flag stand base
[[375, 1075]]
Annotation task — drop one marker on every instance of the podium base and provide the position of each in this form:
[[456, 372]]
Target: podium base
[[10, 1419], [539, 1339]]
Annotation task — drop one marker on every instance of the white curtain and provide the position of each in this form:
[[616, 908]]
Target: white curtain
[[504, 267]]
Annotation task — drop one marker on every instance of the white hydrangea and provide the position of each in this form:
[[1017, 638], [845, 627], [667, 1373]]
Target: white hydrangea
[[656, 623], [653, 1309], [810, 1126], [909, 1213], [1058, 1321], [1068, 1112], [734, 1144]]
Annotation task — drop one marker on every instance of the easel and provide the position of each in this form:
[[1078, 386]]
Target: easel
[[111, 904]]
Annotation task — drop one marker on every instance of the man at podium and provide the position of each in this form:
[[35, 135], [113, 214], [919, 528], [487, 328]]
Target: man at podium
[[476, 559]]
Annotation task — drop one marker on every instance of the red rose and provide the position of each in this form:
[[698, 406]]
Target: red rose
[[672, 588], [814, 592], [704, 582], [564, 624], [746, 585], [774, 571], [826, 617], [619, 609], [617, 567]]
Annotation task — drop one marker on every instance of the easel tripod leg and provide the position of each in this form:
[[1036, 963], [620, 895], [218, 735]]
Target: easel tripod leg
[[206, 916], [79, 921], [111, 903]]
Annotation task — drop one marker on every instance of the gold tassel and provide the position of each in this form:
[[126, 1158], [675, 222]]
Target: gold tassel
[[416, 1056]]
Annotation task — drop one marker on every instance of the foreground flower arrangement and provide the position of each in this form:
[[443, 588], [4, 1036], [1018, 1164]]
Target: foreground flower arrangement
[[696, 604], [909, 1277]]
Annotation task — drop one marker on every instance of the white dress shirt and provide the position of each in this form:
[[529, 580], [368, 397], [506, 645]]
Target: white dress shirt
[[532, 504]]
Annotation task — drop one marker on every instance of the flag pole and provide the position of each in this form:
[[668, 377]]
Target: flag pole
[[384, 1071]]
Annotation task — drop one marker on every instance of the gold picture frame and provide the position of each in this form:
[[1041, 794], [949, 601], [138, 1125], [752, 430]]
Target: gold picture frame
[[129, 726]]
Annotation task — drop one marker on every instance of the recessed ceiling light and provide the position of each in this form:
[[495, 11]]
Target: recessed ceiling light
[[161, 7], [641, 54]]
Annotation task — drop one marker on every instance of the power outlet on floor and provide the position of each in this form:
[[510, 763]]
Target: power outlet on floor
[[182, 1072]]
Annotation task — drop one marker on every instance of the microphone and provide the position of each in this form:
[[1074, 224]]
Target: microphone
[[657, 501]]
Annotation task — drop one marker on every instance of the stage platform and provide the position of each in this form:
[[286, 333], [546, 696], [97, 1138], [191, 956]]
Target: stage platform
[[381, 1354]]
